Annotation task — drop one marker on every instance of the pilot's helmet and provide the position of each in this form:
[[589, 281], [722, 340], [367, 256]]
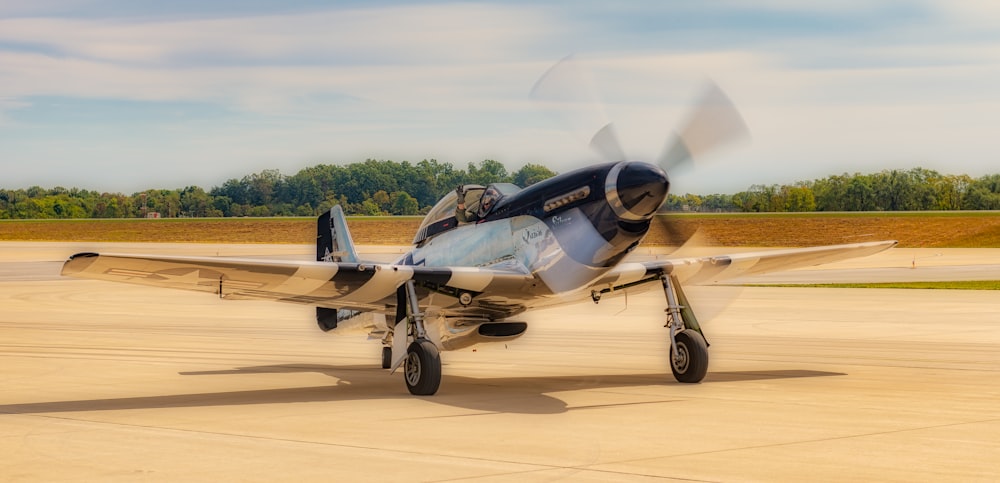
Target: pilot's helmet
[[486, 202]]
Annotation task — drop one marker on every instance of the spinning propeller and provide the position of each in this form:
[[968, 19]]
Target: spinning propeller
[[712, 123]]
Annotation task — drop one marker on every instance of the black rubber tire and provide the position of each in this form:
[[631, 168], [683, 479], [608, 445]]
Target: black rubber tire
[[693, 361], [386, 357], [422, 370]]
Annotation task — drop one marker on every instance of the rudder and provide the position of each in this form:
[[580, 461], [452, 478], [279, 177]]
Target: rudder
[[333, 244], [333, 240]]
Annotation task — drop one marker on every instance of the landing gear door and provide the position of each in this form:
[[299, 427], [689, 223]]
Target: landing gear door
[[400, 336]]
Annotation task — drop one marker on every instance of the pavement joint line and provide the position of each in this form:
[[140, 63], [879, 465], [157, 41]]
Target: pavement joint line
[[808, 441], [540, 466], [581, 469], [809, 404], [858, 364], [618, 405], [463, 415]]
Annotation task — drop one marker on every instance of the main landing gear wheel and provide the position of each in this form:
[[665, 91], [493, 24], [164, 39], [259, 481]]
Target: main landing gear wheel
[[690, 364], [386, 357], [422, 370]]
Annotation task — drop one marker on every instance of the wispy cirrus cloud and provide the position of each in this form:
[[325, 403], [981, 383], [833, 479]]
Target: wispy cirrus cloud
[[157, 59], [87, 87], [369, 36]]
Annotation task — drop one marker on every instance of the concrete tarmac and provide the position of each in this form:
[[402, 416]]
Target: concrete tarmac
[[110, 382]]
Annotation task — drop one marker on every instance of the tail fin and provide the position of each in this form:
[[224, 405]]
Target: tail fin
[[333, 240], [333, 244]]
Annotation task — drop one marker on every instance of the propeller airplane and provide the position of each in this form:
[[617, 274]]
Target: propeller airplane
[[485, 254]]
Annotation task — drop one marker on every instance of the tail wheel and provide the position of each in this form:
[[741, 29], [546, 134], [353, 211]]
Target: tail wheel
[[386, 357], [690, 364], [423, 368]]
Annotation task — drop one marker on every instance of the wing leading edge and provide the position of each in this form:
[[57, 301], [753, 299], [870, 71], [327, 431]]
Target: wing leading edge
[[695, 270], [372, 287], [360, 286]]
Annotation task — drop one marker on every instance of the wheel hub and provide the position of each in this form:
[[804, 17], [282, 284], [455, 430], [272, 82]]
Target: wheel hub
[[412, 370], [681, 358]]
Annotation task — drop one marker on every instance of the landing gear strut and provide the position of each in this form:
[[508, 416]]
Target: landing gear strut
[[422, 364], [688, 348]]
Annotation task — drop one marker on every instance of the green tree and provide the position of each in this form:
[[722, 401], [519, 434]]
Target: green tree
[[222, 204], [261, 187], [717, 203], [259, 211], [830, 193], [799, 198], [370, 208], [305, 210], [433, 180], [236, 190], [860, 194], [983, 194], [950, 190], [404, 204], [364, 179], [488, 171], [196, 202], [381, 198], [693, 202], [530, 174]]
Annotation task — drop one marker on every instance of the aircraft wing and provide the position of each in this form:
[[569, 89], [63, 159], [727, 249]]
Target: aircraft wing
[[372, 286], [695, 270], [360, 286]]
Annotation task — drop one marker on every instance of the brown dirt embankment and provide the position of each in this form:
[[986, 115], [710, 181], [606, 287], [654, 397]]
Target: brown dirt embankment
[[919, 230], [914, 230]]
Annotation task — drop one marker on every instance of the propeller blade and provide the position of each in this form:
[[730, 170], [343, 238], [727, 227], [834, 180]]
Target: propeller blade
[[694, 245], [713, 123], [568, 92], [708, 301], [605, 142], [711, 301], [669, 231]]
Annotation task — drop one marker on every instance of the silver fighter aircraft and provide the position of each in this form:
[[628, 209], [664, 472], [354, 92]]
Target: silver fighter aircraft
[[563, 240]]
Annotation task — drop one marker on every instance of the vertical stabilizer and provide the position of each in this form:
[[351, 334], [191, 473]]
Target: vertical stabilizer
[[333, 240]]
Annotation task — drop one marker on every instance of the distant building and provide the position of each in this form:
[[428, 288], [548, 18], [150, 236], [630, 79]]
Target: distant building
[[153, 214]]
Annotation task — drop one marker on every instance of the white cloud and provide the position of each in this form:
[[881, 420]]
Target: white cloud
[[451, 81], [982, 13], [39, 7], [432, 55], [446, 33], [814, 6]]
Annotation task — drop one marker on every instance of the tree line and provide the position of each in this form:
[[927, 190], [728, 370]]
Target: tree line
[[916, 189], [372, 187], [376, 187]]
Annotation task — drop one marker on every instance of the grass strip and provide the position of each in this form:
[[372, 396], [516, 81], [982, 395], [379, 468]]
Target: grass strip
[[955, 285]]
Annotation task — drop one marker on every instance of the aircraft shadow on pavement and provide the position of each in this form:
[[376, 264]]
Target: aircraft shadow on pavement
[[523, 395]]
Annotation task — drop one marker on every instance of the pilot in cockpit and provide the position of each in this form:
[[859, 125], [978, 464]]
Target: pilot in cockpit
[[485, 202]]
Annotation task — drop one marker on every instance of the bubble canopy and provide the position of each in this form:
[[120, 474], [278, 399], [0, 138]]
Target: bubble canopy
[[442, 216]]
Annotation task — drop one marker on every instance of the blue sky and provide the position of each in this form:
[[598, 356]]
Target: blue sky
[[122, 95]]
